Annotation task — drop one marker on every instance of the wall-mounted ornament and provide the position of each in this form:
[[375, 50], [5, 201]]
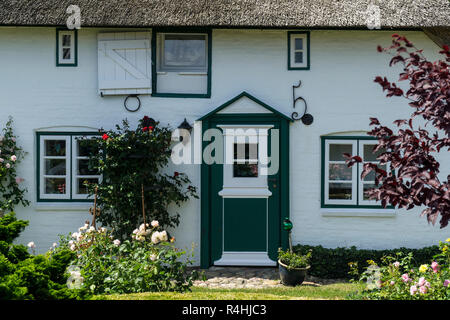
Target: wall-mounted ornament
[[127, 106], [306, 118]]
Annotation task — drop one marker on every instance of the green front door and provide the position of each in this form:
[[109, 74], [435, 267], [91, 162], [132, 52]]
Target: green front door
[[243, 205]]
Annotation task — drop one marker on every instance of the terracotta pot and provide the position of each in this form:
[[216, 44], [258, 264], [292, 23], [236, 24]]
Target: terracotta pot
[[291, 276]]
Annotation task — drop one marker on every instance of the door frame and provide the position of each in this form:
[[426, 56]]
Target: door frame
[[211, 120]]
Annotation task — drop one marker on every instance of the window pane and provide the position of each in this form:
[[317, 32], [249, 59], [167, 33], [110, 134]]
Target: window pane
[[245, 170], [369, 155], [55, 167], [55, 186], [367, 186], [82, 184], [84, 149], [340, 191], [245, 151], [299, 44], [184, 50], [55, 147], [66, 53], [371, 175], [337, 151], [83, 168], [339, 172], [66, 40], [298, 57]]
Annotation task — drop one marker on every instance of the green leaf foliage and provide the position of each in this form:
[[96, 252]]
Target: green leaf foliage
[[129, 160], [334, 263]]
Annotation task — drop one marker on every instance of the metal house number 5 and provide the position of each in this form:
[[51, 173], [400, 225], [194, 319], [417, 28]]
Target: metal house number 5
[[306, 118]]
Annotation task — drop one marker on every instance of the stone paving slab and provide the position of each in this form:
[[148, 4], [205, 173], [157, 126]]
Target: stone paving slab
[[250, 278]]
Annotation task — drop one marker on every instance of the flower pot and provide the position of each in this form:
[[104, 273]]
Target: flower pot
[[291, 276]]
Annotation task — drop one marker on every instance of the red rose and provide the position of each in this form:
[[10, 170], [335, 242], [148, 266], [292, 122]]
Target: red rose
[[105, 136], [150, 128], [175, 174], [145, 118], [144, 129]]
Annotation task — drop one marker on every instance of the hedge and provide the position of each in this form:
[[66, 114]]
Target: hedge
[[333, 263]]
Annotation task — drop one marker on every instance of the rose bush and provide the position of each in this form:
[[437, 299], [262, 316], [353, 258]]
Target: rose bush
[[10, 155], [146, 262], [131, 162], [397, 279]]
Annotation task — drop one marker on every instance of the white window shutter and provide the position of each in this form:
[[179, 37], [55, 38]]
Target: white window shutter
[[124, 63]]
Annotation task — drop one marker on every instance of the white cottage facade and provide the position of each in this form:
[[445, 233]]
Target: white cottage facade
[[57, 88]]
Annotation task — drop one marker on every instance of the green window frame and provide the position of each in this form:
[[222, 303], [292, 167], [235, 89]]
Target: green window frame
[[335, 175], [66, 47], [63, 166], [298, 44], [156, 55]]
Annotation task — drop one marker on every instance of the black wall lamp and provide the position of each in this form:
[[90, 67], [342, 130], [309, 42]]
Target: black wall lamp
[[186, 130]]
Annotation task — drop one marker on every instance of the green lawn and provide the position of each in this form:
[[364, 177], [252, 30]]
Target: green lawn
[[338, 291]]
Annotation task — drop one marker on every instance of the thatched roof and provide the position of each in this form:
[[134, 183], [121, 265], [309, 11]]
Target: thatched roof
[[228, 13]]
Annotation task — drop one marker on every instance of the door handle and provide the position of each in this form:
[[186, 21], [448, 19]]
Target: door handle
[[274, 181]]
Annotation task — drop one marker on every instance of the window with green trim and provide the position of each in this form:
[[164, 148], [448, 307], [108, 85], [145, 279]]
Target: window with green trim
[[181, 62], [66, 48], [342, 186], [63, 167], [298, 50]]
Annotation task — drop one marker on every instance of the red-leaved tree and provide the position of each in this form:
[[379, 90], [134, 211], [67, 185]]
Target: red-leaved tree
[[412, 180]]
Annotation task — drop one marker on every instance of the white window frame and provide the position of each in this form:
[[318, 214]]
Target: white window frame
[[71, 175], [160, 56], [327, 182], [43, 176], [292, 37], [75, 176], [245, 186], [72, 61], [361, 182]]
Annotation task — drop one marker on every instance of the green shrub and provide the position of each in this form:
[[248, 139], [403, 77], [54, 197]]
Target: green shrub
[[24, 276], [293, 260], [398, 278], [147, 262], [334, 263]]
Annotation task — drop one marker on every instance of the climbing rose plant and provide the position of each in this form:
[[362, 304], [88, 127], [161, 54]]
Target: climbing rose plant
[[411, 150], [11, 154], [130, 160]]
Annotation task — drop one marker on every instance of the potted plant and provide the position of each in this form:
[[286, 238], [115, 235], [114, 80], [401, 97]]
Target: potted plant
[[292, 267]]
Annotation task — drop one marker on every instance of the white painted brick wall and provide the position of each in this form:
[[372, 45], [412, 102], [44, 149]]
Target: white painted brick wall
[[339, 90]]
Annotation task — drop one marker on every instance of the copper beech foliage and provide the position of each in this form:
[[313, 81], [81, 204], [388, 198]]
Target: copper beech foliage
[[412, 181]]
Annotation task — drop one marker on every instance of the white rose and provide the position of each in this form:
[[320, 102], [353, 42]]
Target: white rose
[[116, 242], [163, 235], [75, 235], [155, 224], [155, 237], [153, 257], [31, 244]]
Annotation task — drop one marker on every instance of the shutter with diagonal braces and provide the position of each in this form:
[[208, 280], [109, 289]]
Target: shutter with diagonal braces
[[124, 63]]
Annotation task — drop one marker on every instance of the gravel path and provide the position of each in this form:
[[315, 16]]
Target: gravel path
[[250, 278]]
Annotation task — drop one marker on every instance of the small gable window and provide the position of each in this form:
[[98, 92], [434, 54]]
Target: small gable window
[[298, 50], [66, 48]]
